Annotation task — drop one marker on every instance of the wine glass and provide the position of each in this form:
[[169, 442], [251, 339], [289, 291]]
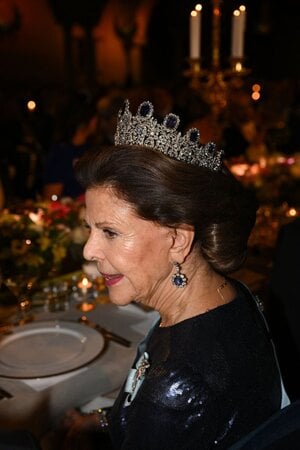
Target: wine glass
[[21, 287]]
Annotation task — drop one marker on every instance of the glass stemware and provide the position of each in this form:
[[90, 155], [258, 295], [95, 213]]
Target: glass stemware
[[21, 287]]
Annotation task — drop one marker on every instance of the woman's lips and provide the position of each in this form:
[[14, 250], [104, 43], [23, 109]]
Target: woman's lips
[[110, 280]]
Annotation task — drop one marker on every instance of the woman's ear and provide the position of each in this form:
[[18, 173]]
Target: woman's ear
[[183, 238]]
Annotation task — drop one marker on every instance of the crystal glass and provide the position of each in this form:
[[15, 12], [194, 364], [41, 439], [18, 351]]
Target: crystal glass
[[21, 287]]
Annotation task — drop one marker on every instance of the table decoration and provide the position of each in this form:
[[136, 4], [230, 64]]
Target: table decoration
[[39, 240], [36, 238]]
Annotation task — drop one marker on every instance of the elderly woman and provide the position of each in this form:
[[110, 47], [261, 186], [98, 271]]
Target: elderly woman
[[168, 223]]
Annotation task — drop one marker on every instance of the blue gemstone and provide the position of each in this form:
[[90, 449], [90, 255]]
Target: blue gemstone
[[171, 121], [194, 135], [144, 109], [178, 281]]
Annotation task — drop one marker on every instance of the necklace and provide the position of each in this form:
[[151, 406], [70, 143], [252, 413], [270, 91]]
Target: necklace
[[219, 290]]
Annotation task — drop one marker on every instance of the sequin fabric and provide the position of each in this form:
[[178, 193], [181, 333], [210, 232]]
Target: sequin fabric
[[212, 379]]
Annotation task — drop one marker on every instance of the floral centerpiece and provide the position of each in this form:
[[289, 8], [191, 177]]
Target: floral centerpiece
[[37, 238]]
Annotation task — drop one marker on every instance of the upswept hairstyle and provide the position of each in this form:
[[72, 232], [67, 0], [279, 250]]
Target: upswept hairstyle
[[171, 193]]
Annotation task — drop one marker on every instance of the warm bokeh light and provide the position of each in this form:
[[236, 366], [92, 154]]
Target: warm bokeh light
[[236, 12], [255, 96], [85, 306], [242, 8], [198, 7], [31, 105], [292, 212], [256, 87], [238, 67], [194, 13]]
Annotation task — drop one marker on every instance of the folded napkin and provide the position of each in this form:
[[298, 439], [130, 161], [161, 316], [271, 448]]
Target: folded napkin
[[39, 384]]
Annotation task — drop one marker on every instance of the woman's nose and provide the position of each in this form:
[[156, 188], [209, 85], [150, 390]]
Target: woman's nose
[[92, 251]]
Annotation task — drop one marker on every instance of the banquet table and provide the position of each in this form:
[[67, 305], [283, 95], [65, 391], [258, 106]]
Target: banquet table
[[37, 404]]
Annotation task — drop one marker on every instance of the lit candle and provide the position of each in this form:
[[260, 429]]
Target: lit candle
[[195, 20], [237, 37], [198, 9], [242, 10], [84, 285]]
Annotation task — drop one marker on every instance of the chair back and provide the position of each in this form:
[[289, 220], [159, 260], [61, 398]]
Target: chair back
[[280, 432]]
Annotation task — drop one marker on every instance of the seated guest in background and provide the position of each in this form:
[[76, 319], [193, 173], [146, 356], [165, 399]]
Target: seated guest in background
[[284, 305], [79, 124], [167, 224]]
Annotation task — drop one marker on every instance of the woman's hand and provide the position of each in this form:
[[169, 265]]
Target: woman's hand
[[80, 430]]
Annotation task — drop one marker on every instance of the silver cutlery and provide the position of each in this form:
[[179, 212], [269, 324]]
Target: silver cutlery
[[106, 333]]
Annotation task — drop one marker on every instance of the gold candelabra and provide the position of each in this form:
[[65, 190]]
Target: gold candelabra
[[215, 83]]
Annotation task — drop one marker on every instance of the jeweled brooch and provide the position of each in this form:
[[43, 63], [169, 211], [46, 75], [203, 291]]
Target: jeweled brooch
[[135, 377]]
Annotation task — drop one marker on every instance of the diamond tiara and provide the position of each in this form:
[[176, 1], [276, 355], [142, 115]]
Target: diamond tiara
[[143, 129]]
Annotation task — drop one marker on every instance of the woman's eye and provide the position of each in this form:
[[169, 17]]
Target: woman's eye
[[109, 233], [85, 226]]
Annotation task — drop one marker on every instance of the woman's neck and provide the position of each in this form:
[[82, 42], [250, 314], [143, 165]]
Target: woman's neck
[[204, 292]]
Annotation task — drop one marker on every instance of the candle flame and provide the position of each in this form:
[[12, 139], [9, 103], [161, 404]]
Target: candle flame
[[242, 8], [238, 67], [236, 12], [84, 281], [194, 13], [198, 7]]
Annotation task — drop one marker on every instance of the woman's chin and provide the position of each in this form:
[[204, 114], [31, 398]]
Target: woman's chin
[[119, 301]]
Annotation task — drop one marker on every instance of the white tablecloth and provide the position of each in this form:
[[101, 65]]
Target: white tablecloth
[[38, 404]]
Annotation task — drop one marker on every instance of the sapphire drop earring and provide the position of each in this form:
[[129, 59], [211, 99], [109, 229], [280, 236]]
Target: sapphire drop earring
[[179, 279]]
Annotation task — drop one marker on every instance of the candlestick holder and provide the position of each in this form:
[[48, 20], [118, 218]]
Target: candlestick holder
[[215, 84], [194, 72]]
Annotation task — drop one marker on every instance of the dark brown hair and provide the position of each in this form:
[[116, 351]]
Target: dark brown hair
[[171, 193]]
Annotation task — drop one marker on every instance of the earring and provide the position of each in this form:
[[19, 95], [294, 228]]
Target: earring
[[179, 279]]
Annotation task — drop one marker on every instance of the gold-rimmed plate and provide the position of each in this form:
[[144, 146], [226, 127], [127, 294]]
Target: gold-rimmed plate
[[47, 348]]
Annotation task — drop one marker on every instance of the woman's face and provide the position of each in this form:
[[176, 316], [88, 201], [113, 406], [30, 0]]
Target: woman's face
[[132, 254]]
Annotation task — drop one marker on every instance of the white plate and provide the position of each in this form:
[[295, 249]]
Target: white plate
[[43, 349]]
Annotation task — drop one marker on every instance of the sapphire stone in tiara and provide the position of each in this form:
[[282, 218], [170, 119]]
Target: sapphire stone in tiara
[[171, 121], [143, 129], [194, 135], [145, 109]]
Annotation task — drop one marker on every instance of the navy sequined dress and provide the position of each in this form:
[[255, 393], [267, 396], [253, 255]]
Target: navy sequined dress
[[211, 380]]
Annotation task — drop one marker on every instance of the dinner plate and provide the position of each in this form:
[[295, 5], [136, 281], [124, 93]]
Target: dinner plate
[[43, 349]]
